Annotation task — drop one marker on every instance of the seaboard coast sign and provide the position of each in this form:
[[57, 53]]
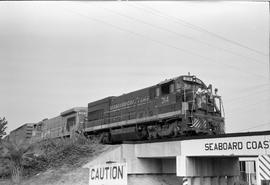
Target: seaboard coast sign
[[238, 146], [108, 174]]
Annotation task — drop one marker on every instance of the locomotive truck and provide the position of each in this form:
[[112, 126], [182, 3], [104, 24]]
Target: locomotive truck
[[182, 106]]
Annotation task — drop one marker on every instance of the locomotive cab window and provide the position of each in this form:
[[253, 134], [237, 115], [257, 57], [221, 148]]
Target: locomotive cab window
[[178, 86], [171, 88], [157, 92], [167, 88]]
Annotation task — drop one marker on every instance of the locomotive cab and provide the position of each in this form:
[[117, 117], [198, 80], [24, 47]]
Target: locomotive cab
[[191, 107], [202, 109]]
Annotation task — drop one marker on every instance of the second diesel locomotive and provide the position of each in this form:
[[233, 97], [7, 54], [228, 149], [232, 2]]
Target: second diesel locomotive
[[176, 107]]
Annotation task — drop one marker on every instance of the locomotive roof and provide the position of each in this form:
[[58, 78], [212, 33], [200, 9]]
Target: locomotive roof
[[24, 125], [141, 91], [181, 77], [168, 80], [107, 99], [73, 110], [162, 82]]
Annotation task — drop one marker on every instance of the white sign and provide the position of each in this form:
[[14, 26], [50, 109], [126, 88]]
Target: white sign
[[108, 174], [239, 146]]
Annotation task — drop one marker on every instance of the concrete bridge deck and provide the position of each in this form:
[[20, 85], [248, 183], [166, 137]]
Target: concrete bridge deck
[[197, 160]]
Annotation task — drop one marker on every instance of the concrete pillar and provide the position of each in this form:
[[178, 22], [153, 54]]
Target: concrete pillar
[[189, 180], [214, 181], [207, 166], [217, 180], [196, 181], [206, 181], [222, 180], [232, 180]]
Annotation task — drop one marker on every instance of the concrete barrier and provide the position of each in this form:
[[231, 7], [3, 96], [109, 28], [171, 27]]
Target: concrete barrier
[[204, 161]]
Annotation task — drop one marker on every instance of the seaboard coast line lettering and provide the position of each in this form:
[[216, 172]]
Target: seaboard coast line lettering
[[241, 145]]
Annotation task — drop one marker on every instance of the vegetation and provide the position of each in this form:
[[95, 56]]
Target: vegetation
[[16, 156], [3, 127], [29, 160], [68, 152]]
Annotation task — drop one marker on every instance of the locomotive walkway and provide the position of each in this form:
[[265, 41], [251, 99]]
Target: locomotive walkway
[[205, 160]]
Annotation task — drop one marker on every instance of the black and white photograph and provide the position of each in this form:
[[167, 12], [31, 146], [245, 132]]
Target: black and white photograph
[[135, 92]]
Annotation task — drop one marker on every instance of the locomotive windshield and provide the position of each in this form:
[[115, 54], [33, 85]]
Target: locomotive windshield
[[192, 80], [200, 95]]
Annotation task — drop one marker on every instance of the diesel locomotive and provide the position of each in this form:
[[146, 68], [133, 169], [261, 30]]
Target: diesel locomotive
[[182, 106], [178, 107]]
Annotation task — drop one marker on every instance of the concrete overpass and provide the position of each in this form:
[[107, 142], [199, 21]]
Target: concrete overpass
[[208, 160]]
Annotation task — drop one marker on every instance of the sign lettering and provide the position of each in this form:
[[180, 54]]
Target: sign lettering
[[109, 174], [248, 145], [241, 145], [129, 103]]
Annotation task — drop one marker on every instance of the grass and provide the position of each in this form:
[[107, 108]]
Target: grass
[[68, 152], [50, 155]]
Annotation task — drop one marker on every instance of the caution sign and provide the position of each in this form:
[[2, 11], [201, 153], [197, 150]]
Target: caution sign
[[108, 174]]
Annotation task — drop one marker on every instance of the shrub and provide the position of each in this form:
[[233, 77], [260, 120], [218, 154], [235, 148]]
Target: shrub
[[67, 151], [50, 153]]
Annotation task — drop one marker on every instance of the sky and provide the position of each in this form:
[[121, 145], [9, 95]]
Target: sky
[[59, 55]]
